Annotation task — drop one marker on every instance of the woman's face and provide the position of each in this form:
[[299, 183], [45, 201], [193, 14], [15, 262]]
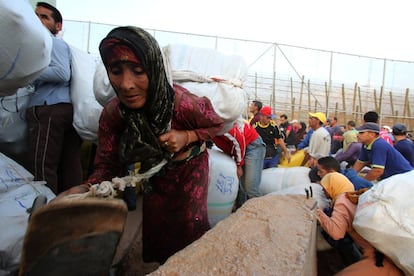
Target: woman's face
[[130, 83]]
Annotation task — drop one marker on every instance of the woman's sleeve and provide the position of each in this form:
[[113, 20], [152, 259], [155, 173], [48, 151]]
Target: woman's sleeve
[[107, 164], [336, 225], [196, 113]]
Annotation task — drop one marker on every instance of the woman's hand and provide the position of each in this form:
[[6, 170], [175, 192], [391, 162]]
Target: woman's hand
[[175, 140]]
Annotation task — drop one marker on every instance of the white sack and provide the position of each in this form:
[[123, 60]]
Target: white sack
[[14, 219], [17, 193], [223, 186], [385, 218], [12, 174], [228, 101], [25, 46], [86, 109], [315, 191], [205, 62], [102, 88], [208, 73], [275, 179], [13, 126]]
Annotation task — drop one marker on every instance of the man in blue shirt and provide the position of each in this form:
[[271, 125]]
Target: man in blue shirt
[[404, 145], [54, 145], [383, 159]]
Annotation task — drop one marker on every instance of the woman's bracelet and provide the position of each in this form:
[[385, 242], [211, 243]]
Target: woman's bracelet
[[188, 137]]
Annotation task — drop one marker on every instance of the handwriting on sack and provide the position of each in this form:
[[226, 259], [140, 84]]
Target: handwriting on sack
[[225, 183]]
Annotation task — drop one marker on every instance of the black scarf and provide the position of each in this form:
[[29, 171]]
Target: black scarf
[[139, 142]]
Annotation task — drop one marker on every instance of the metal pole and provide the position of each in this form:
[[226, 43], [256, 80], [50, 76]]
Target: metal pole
[[89, 37]]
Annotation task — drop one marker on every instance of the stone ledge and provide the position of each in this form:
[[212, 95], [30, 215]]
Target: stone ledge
[[270, 235]]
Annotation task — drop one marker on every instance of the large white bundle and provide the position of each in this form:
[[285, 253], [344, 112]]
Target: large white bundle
[[208, 73], [385, 218], [102, 88], [315, 191], [13, 126], [205, 62], [14, 219], [223, 186], [276, 179], [228, 101], [25, 46], [85, 107], [12, 174], [17, 193]]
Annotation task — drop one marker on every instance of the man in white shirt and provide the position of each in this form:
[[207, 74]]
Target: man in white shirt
[[319, 144]]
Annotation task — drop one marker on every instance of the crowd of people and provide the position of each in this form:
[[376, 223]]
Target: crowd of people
[[346, 160], [160, 130]]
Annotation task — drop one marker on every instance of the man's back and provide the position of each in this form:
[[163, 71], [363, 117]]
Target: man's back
[[406, 148]]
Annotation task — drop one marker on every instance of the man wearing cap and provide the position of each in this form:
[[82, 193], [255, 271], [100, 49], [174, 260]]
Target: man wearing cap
[[383, 159], [319, 143], [271, 137], [404, 145]]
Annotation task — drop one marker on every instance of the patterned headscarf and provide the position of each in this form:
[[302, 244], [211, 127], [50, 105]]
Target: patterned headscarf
[[139, 143]]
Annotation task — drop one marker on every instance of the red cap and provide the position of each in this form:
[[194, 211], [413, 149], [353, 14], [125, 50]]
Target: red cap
[[266, 111]]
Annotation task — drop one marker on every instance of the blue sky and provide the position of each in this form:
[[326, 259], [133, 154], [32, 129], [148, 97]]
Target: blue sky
[[373, 28]]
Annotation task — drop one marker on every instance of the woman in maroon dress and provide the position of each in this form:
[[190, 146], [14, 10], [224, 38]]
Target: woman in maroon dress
[[159, 130]]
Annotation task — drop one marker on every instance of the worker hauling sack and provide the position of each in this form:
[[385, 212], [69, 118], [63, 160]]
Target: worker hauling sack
[[203, 72], [385, 218]]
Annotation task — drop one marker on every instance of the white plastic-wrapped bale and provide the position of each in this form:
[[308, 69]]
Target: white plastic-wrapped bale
[[385, 218], [17, 193], [223, 186], [209, 73], [102, 88], [25, 46], [86, 109], [275, 179]]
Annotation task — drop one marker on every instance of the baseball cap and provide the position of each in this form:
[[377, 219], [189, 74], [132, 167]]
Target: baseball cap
[[266, 111], [321, 116], [399, 129], [372, 127], [387, 128]]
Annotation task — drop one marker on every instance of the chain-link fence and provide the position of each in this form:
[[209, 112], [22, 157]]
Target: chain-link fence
[[296, 80]]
